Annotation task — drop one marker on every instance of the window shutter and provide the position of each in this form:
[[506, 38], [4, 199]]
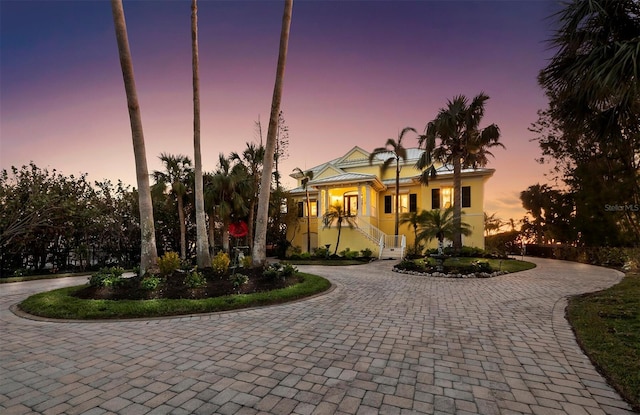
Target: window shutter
[[466, 196], [413, 202], [435, 198], [300, 209], [387, 204]]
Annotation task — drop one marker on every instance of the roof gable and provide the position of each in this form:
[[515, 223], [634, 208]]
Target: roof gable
[[329, 170], [355, 154]]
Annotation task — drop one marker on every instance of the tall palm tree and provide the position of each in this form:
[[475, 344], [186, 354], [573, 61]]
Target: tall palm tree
[[439, 224], [337, 213], [148, 251], [259, 253], [461, 142], [176, 176], [414, 219], [397, 152], [306, 177], [252, 158], [202, 245]]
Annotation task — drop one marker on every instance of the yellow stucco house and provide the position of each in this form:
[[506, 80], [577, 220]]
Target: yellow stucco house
[[367, 197]]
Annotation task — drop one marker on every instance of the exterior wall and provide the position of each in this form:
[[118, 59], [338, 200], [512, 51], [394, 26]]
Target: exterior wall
[[349, 238]]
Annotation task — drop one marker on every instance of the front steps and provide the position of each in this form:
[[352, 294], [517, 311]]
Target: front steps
[[392, 253]]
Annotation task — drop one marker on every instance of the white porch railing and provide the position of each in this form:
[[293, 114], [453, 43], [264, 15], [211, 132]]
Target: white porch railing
[[384, 241], [374, 234]]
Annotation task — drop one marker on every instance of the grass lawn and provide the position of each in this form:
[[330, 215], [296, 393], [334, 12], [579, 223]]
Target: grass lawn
[[325, 262], [509, 265], [61, 304], [607, 325]]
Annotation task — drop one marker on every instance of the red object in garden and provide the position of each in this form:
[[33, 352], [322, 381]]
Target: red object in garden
[[238, 229]]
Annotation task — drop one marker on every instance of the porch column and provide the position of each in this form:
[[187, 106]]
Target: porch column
[[367, 190], [326, 201], [361, 209]]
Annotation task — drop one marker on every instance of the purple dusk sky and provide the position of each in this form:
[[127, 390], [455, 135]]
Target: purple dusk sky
[[357, 73]]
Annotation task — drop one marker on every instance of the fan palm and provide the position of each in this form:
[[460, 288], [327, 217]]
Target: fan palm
[[148, 251], [414, 219], [252, 157], [176, 176], [461, 143], [397, 152], [337, 213], [259, 252], [306, 177], [439, 224], [229, 189]]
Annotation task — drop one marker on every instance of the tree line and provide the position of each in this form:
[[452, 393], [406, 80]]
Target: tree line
[[590, 131], [68, 223]]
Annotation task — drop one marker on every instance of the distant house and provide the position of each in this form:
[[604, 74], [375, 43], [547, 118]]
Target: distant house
[[367, 197]]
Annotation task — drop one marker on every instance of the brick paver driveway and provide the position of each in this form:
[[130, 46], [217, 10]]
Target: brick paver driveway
[[381, 342]]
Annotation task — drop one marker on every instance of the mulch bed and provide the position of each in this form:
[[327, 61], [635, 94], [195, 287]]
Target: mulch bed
[[173, 287]]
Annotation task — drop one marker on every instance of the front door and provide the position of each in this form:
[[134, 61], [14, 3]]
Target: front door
[[351, 205]]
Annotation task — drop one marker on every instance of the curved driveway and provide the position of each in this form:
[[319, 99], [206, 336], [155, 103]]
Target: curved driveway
[[381, 342]]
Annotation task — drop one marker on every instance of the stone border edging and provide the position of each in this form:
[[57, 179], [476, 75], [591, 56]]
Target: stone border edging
[[451, 276], [23, 314]]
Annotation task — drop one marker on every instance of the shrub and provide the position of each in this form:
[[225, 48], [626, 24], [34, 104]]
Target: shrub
[[304, 255], [150, 282], [366, 253], [168, 263], [606, 256], [238, 280], [288, 270], [503, 243], [272, 271], [246, 262], [186, 265], [107, 277], [482, 266], [349, 254], [293, 251], [20, 272], [194, 279], [220, 263], [320, 252], [410, 265], [277, 270]]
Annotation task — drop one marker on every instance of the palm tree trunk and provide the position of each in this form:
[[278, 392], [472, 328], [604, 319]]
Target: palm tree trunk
[[225, 237], [338, 240], [202, 245], [397, 203], [262, 218], [308, 222], [148, 252], [457, 204], [183, 228], [252, 216], [212, 226]]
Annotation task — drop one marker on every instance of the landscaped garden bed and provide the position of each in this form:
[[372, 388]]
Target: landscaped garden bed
[[175, 291], [461, 267]]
